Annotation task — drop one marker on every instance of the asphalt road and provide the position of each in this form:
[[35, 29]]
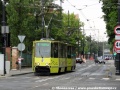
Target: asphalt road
[[87, 76]]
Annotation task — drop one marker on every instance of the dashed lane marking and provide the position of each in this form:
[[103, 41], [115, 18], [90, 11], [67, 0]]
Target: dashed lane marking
[[118, 79], [105, 78], [92, 78]]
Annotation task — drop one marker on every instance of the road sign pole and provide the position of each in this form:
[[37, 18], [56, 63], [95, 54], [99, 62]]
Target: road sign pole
[[21, 53], [118, 60], [21, 46]]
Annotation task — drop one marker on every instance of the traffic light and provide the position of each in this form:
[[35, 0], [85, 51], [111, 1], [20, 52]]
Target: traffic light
[[114, 53]]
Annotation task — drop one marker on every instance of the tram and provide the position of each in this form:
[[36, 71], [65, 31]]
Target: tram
[[51, 56]]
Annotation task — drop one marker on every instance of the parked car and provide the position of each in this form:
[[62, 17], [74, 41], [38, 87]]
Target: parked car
[[106, 58], [79, 60]]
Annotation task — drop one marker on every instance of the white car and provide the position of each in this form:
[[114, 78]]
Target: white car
[[100, 60]]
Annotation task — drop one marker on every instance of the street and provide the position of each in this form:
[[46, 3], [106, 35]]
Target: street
[[88, 76]]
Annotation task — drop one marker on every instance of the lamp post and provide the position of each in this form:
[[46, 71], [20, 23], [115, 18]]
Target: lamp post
[[103, 49], [83, 40], [4, 30]]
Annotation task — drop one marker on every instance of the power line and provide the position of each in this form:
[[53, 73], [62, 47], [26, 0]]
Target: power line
[[82, 12]]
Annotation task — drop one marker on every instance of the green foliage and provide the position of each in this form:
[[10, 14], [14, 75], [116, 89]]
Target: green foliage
[[110, 17], [21, 21]]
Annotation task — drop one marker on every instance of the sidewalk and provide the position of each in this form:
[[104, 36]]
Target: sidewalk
[[18, 72], [111, 70]]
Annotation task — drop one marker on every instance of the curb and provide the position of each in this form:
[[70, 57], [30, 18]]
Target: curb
[[21, 74]]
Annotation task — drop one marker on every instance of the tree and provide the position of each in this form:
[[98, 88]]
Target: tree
[[21, 20], [110, 9]]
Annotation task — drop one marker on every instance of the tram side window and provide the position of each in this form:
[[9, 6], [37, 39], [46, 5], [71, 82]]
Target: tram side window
[[69, 52], [64, 51], [73, 55], [60, 51], [55, 49], [52, 50]]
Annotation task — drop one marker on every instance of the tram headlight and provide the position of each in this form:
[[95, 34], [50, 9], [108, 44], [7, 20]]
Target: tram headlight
[[47, 64], [38, 64]]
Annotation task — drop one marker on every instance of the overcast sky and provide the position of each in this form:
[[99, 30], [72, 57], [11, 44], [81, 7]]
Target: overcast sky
[[90, 13]]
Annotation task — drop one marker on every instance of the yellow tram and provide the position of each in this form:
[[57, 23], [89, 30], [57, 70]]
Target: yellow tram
[[51, 56]]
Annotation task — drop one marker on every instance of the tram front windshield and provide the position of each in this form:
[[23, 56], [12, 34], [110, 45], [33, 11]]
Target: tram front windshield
[[43, 49]]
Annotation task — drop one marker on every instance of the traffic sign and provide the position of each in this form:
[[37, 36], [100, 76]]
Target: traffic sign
[[117, 30], [21, 38], [4, 29], [117, 44], [117, 51], [117, 37], [21, 46]]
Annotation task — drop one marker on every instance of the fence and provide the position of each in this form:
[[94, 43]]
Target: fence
[[27, 62]]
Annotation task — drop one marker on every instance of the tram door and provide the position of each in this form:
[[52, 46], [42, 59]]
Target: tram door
[[54, 50]]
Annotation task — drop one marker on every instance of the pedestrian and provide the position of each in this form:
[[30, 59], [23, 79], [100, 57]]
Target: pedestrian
[[83, 58], [20, 62]]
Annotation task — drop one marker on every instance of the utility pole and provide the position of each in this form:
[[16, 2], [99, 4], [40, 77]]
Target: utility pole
[[103, 49], [61, 1], [83, 40], [118, 59], [42, 19], [68, 18], [90, 45]]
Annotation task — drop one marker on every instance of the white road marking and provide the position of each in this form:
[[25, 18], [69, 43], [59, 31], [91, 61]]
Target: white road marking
[[118, 79], [86, 67], [92, 78], [105, 78], [46, 79]]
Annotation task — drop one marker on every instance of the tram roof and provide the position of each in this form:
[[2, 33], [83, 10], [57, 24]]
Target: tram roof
[[51, 40]]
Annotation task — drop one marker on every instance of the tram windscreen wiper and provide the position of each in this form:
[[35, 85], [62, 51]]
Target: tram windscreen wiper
[[40, 53]]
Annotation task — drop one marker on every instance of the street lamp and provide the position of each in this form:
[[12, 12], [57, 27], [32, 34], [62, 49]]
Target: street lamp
[[83, 40], [4, 31]]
